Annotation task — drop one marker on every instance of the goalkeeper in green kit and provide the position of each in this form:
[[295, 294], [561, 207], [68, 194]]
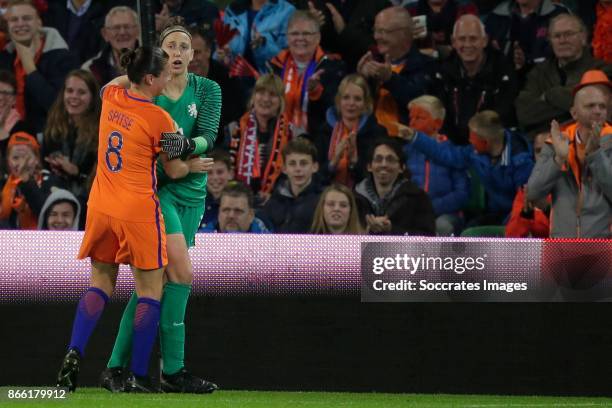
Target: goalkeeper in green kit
[[195, 104]]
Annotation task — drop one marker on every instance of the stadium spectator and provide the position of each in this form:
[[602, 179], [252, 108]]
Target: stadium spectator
[[60, 212], [440, 16], [40, 60], [202, 64], [602, 45], [474, 78], [548, 92], [262, 30], [70, 139], [528, 218], [346, 27], [398, 70], [291, 207], [121, 30], [447, 188], [501, 158], [336, 212], [236, 212], [27, 186], [79, 23], [575, 166], [388, 201], [519, 29], [349, 130], [221, 173], [193, 12], [311, 76], [257, 141], [9, 117]]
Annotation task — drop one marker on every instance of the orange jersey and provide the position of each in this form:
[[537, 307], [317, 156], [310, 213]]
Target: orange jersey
[[125, 186]]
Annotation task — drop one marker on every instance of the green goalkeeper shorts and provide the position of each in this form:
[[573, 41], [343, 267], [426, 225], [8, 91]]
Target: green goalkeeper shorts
[[180, 219]]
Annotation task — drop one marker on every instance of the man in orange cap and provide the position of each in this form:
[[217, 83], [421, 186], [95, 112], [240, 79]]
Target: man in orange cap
[[27, 186], [575, 165]]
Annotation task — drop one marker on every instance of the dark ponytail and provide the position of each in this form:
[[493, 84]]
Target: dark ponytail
[[143, 61]]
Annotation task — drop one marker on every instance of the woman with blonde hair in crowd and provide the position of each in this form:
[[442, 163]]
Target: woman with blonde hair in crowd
[[336, 212], [257, 140], [70, 139], [349, 129]]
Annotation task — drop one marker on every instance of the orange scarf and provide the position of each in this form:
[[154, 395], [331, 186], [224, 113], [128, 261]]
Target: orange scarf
[[602, 33], [342, 173], [296, 85], [20, 78], [11, 201], [244, 146], [386, 111]]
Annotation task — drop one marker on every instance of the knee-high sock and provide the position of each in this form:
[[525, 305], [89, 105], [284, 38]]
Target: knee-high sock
[[172, 326], [120, 356], [88, 313], [146, 320]]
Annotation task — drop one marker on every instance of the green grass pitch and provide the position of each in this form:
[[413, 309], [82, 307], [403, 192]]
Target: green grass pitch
[[96, 397]]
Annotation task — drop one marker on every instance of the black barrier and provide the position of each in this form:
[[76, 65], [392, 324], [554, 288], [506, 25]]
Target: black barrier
[[339, 343]]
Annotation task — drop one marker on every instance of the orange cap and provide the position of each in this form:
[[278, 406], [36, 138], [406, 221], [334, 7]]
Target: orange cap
[[23, 138], [592, 77]]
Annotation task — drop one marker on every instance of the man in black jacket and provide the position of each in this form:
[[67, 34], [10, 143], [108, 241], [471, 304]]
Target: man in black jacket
[[472, 79]]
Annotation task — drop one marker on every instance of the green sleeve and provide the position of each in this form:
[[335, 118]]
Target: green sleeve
[[207, 123]]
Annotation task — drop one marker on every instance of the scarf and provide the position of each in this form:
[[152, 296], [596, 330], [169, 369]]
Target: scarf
[[342, 173], [296, 89], [386, 111], [20, 78], [245, 149]]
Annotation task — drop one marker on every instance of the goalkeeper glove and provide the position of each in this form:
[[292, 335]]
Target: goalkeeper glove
[[176, 145]]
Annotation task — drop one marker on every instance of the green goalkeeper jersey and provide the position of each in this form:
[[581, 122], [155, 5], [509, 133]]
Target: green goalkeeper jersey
[[196, 114]]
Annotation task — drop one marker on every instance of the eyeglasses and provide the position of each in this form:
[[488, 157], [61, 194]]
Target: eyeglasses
[[7, 93], [564, 35], [116, 28], [389, 159], [306, 34], [387, 31]]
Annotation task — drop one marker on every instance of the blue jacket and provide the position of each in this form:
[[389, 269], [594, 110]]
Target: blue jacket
[[271, 22], [448, 188], [500, 180]]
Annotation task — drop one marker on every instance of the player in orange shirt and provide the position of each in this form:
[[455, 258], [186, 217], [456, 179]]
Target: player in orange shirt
[[124, 221]]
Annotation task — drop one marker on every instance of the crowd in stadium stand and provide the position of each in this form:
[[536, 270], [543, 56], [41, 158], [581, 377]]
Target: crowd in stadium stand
[[399, 117]]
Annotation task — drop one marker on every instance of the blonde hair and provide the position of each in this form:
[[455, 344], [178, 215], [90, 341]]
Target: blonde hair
[[269, 83], [431, 103], [359, 81], [353, 226], [487, 124]]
